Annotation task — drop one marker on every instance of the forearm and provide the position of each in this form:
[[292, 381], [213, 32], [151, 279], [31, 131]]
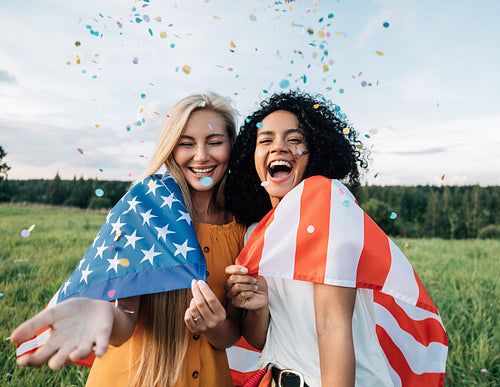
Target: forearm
[[124, 320], [336, 356], [254, 327]]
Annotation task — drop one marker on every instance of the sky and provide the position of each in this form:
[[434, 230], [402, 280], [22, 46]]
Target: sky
[[84, 86]]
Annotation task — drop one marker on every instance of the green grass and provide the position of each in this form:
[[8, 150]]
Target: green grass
[[460, 276]]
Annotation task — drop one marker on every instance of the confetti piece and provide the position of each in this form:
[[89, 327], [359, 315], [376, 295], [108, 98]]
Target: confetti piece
[[186, 69], [299, 151], [264, 183], [346, 130], [406, 244], [80, 150], [77, 43], [346, 203], [435, 282], [484, 370], [151, 183], [373, 131], [118, 235], [442, 177], [101, 170], [232, 44], [363, 84], [310, 229], [259, 125], [206, 181], [32, 227], [252, 18], [375, 175], [341, 191], [315, 106], [8, 338], [321, 33], [386, 24], [99, 192], [158, 18], [163, 34], [393, 215], [216, 17], [284, 83], [379, 53], [135, 60], [210, 126], [341, 91], [111, 293], [359, 146], [202, 104], [25, 233], [124, 262]]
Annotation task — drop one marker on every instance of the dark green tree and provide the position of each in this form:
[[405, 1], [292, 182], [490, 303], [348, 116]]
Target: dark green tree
[[56, 191], [4, 168]]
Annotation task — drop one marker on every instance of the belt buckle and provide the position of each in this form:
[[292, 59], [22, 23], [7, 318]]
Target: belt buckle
[[293, 372]]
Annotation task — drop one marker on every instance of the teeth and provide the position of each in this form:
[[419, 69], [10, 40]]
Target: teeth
[[280, 162], [202, 171]]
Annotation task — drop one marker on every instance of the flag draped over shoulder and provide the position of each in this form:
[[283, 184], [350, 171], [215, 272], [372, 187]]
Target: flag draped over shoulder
[[318, 233], [147, 244]]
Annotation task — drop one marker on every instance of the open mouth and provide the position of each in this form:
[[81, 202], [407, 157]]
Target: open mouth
[[279, 168], [202, 171]]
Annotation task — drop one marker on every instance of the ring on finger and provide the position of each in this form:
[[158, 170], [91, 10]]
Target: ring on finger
[[195, 319]]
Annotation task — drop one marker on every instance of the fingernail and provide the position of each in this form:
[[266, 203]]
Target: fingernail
[[193, 282], [200, 282]]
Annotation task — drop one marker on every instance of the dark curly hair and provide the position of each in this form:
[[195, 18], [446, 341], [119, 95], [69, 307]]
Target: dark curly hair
[[334, 152]]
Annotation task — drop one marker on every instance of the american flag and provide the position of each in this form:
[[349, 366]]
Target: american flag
[[318, 233], [147, 244]]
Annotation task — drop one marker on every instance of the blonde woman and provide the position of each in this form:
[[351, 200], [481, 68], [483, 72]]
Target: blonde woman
[[172, 338]]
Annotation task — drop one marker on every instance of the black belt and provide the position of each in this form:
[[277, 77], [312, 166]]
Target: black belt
[[288, 378]]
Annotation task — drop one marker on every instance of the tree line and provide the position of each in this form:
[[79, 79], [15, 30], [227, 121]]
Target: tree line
[[450, 212]]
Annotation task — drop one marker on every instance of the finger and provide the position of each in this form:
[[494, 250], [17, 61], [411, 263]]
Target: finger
[[101, 343], [83, 350], [245, 279], [199, 303], [40, 356], [211, 299], [236, 269], [31, 327]]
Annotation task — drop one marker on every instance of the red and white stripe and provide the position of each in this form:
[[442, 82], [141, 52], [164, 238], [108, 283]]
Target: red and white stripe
[[318, 233]]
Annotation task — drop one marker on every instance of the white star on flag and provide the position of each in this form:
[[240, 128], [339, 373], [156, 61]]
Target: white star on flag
[[95, 240], [65, 286], [163, 231], [85, 274], [132, 203], [80, 264], [108, 217], [169, 200], [117, 226], [100, 250], [182, 249], [113, 263], [131, 239], [185, 216], [146, 216], [152, 187], [149, 255]]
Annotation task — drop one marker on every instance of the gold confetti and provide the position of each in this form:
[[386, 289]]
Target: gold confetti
[[346, 130], [316, 106], [156, 113], [406, 244], [359, 146], [321, 33], [124, 262], [163, 34], [232, 44], [158, 18], [141, 110], [186, 69], [379, 53], [97, 125], [68, 62], [31, 228], [217, 17], [78, 59], [151, 183], [118, 235], [442, 177], [325, 68]]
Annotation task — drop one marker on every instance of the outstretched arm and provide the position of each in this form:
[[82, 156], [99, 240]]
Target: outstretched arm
[[249, 293], [78, 325], [334, 306]]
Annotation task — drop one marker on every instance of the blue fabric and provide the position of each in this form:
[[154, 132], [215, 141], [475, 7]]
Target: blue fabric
[[146, 245]]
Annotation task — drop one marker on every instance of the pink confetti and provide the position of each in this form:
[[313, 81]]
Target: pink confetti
[[80, 150], [135, 60]]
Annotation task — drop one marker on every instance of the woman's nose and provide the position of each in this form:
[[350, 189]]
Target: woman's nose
[[201, 153], [279, 145]]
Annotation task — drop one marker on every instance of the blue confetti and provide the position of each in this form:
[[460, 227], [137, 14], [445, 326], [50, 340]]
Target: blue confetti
[[284, 83], [393, 215], [259, 125], [99, 192], [206, 181]]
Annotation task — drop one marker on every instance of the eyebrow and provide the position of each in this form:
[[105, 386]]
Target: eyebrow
[[216, 134], [288, 131]]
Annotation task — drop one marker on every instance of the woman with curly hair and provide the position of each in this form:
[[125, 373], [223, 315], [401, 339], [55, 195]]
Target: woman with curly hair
[[316, 274]]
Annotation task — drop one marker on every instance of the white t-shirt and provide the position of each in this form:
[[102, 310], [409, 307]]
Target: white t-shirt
[[292, 341]]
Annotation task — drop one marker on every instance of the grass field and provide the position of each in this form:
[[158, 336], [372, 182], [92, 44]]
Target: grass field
[[461, 277]]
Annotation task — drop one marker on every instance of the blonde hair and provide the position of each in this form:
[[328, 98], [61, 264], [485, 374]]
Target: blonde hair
[[165, 338], [172, 129], [161, 315]]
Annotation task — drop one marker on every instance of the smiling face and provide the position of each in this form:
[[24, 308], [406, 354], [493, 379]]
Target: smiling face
[[203, 150], [281, 155]]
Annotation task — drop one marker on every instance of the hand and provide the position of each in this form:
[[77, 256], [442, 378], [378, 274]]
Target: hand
[[246, 291], [205, 312], [78, 325]]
